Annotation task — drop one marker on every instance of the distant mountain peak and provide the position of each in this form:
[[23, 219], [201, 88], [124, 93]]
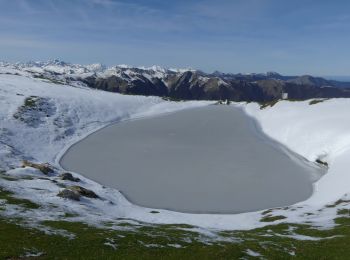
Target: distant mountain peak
[[273, 74], [57, 62]]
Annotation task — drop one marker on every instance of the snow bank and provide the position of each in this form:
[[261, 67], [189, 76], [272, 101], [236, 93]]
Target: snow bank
[[318, 131]]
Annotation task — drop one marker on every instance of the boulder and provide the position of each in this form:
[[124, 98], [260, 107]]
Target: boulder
[[83, 192], [69, 177], [322, 162], [45, 168], [69, 194]]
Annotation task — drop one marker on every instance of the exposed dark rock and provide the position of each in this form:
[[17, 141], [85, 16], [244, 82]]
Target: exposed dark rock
[[140, 86], [69, 194], [45, 168], [322, 162], [83, 192], [316, 101], [68, 176]]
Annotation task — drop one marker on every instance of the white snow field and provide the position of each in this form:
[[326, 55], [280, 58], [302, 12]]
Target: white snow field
[[56, 116]]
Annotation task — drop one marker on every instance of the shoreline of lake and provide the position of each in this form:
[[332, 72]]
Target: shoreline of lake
[[161, 186]]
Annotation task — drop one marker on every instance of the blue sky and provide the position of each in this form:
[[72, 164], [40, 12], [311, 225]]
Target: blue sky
[[287, 36]]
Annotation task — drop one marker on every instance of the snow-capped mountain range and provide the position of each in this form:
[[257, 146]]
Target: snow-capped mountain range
[[187, 84], [60, 67]]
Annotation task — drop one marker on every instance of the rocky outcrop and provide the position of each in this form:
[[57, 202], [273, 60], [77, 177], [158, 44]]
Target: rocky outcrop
[[69, 177], [139, 86], [43, 167], [69, 194], [83, 192], [76, 192]]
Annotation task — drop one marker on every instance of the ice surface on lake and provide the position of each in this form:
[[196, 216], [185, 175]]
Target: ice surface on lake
[[205, 160]]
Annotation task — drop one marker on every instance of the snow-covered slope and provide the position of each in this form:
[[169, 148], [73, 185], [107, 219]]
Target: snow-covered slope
[[40, 119], [317, 132]]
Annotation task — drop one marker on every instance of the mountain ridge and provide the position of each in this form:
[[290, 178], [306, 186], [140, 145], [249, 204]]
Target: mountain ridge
[[185, 84]]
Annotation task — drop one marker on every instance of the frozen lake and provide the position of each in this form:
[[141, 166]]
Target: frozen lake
[[204, 160]]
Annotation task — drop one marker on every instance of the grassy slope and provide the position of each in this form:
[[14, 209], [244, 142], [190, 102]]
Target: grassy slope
[[89, 242]]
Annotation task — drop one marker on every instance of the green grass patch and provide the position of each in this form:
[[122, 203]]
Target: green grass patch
[[10, 199], [337, 203], [267, 211], [272, 218], [93, 243], [170, 242], [343, 212], [70, 215]]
